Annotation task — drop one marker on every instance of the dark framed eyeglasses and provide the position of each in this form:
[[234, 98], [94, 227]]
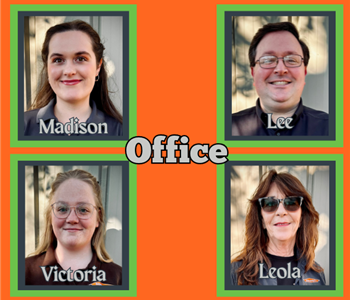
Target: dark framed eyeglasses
[[271, 61], [291, 203], [83, 211]]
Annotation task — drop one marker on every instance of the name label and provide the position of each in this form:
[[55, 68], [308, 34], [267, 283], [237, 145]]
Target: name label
[[281, 123], [78, 275], [281, 273], [71, 127]]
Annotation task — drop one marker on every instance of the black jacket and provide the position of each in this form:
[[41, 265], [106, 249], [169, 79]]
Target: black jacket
[[46, 113], [310, 278]]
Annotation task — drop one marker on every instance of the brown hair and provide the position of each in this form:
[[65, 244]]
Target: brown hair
[[48, 237], [99, 94], [256, 238], [272, 27]]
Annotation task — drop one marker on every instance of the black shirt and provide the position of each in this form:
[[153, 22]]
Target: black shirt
[[282, 262], [46, 113], [34, 274], [306, 121]]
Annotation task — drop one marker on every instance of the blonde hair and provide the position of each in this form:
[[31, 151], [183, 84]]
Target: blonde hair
[[48, 237]]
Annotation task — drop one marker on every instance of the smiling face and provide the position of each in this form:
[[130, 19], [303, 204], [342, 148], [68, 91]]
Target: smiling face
[[281, 225], [72, 66], [73, 233], [279, 89]]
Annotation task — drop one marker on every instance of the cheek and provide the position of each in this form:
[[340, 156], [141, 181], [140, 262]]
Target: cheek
[[54, 72]]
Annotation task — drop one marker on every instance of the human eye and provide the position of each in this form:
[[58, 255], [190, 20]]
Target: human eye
[[267, 60], [61, 208], [57, 60], [83, 209], [292, 59], [81, 59]]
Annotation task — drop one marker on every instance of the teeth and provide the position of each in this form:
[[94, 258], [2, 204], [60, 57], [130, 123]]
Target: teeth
[[280, 82]]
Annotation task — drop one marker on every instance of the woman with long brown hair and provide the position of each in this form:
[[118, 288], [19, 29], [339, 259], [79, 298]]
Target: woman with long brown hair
[[73, 88], [281, 236], [71, 250]]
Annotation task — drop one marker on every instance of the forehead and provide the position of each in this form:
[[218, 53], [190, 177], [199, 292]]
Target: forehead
[[275, 191], [278, 43], [74, 191], [72, 41]]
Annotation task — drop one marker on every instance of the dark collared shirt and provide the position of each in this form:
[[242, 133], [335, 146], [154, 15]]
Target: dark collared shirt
[[306, 121], [34, 274], [46, 113]]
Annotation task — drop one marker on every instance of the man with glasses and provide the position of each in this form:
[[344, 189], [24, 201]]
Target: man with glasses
[[278, 62]]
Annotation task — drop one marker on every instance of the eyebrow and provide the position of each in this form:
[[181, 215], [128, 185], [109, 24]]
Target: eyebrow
[[274, 53], [77, 53]]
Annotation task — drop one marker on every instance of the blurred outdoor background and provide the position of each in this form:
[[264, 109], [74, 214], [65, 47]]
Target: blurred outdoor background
[[38, 181], [244, 181], [110, 29], [313, 31]]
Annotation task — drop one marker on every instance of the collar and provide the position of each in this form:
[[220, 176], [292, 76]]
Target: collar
[[50, 259], [263, 116], [47, 113]]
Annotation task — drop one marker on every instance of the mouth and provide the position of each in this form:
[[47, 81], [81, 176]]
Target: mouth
[[71, 82], [282, 224], [72, 229], [280, 82]]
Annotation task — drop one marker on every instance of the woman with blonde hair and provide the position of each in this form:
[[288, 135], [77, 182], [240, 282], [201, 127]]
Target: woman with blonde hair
[[281, 236], [71, 249]]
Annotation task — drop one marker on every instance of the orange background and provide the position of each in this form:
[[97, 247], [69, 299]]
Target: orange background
[[176, 94]]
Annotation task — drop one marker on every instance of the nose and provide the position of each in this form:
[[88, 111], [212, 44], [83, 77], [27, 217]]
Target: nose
[[280, 68], [72, 217], [70, 68], [281, 211]]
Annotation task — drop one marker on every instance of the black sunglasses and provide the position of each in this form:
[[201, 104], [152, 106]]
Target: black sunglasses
[[291, 203]]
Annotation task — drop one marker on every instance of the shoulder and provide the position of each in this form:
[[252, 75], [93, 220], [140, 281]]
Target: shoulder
[[35, 259], [245, 122], [30, 116], [244, 114], [234, 267], [316, 121], [32, 268], [113, 272], [115, 128], [317, 114]]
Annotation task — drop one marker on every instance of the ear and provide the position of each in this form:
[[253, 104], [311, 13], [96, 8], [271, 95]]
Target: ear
[[252, 71], [99, 67], [305, 71], [263, 224]]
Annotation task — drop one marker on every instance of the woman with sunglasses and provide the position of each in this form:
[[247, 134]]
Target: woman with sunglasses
[[280, 236], [72, 250]]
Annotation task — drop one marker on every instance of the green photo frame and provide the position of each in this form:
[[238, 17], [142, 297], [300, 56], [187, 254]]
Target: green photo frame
[[225, 55], [129, 88], [18, 287], [334, 163]]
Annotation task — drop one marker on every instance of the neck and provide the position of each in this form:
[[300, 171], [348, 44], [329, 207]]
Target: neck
[[285, 248], [74, 259], [276, 113], [64, 110]]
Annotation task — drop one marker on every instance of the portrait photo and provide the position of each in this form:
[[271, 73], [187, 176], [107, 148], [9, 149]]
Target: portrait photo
[[280, 230], [75, 228], [73, 81], [281, 74]]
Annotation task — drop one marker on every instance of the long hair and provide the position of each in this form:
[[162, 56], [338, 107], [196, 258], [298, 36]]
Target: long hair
[[48, 237], [273, 27], [99, 94], [256, 238]]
